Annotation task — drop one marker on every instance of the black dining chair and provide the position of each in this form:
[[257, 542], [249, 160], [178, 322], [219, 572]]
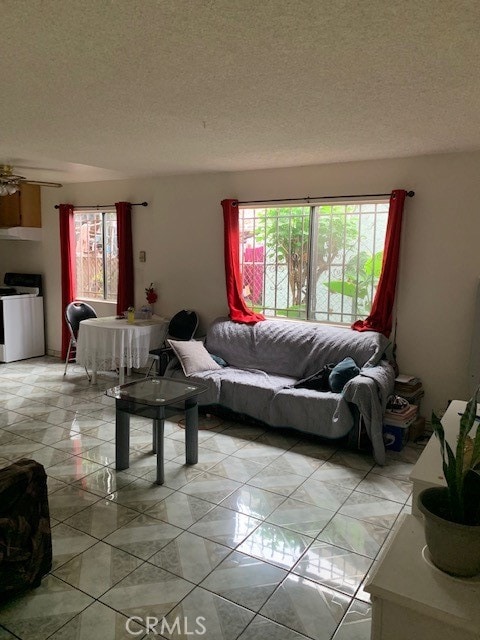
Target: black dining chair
[[182, 326], [75, 312]]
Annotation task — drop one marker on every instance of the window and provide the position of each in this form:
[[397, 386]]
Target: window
[[96, 254], [318, 262]]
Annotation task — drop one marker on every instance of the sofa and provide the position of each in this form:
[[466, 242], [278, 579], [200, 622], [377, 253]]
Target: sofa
[[253, 369]]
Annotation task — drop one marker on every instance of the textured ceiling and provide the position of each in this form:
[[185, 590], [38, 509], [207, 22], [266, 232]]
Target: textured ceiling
[[102, 89]]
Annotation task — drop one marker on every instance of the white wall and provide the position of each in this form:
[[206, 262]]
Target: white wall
[[182, 233]]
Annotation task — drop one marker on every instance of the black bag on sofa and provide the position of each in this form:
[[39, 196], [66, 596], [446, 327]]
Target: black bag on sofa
[[319, 381], [25, 537]]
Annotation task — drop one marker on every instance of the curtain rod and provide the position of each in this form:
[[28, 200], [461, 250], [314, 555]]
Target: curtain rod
[[410, 194], [104, 206]]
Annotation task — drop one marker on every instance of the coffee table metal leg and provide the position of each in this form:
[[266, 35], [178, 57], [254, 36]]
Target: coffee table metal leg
[[122, 440], [158, 445], [191, 431]]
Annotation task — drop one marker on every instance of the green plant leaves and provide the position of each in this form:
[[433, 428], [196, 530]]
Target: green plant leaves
[[373, 265], [475, 462], [342, 287], [457, 466]]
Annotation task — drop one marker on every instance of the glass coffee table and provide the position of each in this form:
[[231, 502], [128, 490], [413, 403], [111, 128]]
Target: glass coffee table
[[151, 398]]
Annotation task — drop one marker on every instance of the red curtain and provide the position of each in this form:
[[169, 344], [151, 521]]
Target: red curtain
[[68, 266], [125, 293], [380, 318], [239, 312]]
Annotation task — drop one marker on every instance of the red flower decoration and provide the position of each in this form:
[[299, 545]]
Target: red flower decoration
[[151, 294]]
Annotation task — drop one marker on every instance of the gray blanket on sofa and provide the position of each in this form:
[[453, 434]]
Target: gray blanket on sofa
[[289, 348], [369, 392], [266, 359]]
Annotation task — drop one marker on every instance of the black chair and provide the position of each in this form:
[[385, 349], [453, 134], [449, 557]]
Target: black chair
[[74, 314], [181, 327]]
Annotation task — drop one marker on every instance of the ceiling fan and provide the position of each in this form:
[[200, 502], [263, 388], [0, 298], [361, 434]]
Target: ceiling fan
[[10, 182]]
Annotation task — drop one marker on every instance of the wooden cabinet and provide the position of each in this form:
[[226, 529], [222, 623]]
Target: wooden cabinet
[[22, 209]]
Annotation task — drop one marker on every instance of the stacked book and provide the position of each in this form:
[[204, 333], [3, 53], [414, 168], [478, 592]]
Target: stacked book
[[410, 388], [401, 417], [397, 421]]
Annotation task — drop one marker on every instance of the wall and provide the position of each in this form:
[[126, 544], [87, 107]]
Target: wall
[[182, 233]]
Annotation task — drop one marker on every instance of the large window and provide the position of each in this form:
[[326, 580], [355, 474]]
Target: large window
[[96, 254], [317, 262]]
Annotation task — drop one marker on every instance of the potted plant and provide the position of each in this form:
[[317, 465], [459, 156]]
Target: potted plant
[[452, 513]]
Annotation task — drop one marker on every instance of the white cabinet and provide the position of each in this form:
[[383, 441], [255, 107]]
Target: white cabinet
[[413, 600], [21, 328]]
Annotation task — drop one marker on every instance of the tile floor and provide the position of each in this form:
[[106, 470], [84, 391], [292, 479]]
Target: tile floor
[[270, 536]]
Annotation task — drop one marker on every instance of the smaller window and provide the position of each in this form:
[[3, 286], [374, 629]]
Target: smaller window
[[96, 254]]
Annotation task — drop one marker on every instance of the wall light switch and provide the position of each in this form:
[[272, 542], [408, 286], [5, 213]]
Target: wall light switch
[[142, 256]]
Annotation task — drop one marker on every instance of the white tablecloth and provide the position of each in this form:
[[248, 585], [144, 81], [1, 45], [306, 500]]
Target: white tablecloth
[[105, 344]]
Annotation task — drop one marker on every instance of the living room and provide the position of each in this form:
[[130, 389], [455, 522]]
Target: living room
[[438, 272], [403, 116]]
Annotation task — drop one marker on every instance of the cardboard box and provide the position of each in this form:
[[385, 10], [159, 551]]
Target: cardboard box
[[417, 428], [395, 438]]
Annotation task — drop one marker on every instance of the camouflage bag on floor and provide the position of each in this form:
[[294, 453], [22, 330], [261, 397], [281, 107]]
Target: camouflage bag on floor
[[25, 537]]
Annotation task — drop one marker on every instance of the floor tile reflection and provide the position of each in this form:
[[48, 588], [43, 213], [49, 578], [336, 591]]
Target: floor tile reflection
[[266, 629], [99, 621], [273, 535], [147, 591], [143, 536], [357, 624], [180, 509], [333, 566], [245, 580], [371, 509], [301, 517], [306, 607], [253, 501], [277, 545], [361, 537], [189, 556], [41, 612], [97, 569], [102, 518], [217, 617], [225, 526]]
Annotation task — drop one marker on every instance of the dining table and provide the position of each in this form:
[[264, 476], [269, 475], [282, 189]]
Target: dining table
[[112, 343]]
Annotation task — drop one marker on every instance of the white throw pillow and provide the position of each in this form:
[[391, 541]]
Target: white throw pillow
[[193, 356]]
